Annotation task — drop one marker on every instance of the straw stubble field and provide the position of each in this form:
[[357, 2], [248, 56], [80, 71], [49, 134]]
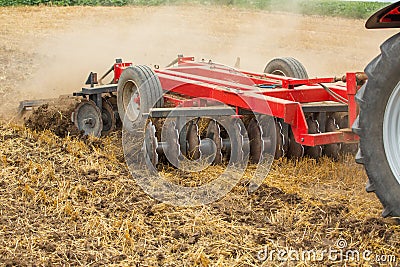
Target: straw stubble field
[[72, 201]]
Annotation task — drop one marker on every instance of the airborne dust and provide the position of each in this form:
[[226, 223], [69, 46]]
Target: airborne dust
[[51, 51]]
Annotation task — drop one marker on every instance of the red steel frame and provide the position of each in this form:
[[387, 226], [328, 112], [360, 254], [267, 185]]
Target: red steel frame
[[278, 96], [119, 68]]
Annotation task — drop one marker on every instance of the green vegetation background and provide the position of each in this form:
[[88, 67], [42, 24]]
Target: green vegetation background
[[348, 9]]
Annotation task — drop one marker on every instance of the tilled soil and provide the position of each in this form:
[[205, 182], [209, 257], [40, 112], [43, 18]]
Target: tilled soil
[[71, 201]]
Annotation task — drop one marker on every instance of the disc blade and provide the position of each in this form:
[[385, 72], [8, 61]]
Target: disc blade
[[193, 141], [331, 150], [214, 133], [314, 152], [87, 118], [108, 117], [151, 144]]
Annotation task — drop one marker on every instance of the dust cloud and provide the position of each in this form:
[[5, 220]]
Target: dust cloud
[[156, 35]]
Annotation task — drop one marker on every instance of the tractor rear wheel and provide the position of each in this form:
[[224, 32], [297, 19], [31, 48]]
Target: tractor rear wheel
[[378, 126], [138, 91]]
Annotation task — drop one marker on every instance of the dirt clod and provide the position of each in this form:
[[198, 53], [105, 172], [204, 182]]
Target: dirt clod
[[55, 118]]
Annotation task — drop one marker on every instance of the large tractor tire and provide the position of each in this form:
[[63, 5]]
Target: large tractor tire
[[378, 126], [138, 91]]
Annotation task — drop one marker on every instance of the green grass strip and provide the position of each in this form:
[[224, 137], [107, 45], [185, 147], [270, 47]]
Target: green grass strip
[[347, 9]]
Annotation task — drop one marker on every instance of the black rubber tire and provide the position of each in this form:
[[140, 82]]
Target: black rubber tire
[[384, 74], [286, 66], [146, 83]]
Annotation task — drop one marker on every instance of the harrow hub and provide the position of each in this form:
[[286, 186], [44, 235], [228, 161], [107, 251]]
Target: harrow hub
[[87, 118], [131, 100], [391, 132]]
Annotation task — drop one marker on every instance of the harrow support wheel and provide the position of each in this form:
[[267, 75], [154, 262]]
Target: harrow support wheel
[[286, 66], [378, 126], [139, 90], [87, 117]]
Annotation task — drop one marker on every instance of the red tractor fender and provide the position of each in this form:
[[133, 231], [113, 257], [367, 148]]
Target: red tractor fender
[[388, 17]]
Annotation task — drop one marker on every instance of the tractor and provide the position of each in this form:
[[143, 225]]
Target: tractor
[[378, 122]]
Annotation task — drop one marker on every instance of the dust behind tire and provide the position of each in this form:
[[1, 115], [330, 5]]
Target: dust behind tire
[[138, 91], [383, 77]]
